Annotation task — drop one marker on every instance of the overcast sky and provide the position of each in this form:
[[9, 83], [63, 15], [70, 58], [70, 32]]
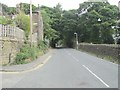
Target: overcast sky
[[66, 4]]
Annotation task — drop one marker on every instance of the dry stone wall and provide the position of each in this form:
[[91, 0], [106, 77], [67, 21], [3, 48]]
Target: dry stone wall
[[103, 50]]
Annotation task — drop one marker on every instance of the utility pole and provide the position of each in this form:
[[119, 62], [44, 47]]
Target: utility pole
[[31, 28]]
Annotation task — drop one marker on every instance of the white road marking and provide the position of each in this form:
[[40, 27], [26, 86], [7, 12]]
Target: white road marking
[[73, 56], [96, 76]]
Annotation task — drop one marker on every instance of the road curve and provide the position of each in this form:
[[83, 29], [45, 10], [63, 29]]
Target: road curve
[[67, 68]]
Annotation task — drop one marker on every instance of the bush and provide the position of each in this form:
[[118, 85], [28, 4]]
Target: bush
[[27, 52], [20, 57], [42, 45]]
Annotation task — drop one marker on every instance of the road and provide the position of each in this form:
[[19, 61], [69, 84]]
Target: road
[[67, 68]]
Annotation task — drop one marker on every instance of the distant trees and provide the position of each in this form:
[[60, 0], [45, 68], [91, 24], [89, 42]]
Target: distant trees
[[92, 21], [49, 33], [8, 10], [98, 31], [26, 7]]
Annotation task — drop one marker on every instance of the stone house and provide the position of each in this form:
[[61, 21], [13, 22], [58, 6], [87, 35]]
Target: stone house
[[38, 25]]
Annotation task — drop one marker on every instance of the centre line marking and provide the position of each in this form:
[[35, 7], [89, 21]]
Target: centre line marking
[[73, 56], [96, 76]]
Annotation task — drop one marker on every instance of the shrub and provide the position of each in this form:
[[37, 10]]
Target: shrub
[[27, 52], [20, 57], [42, 45]]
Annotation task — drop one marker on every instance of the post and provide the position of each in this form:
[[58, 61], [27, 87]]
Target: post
[[76, 40], [31, 31]]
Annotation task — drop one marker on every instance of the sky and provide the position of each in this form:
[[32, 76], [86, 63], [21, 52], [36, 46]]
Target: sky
[[66, 4]]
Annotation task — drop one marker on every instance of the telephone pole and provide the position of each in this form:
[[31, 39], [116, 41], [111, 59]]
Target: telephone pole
[[31, 28]]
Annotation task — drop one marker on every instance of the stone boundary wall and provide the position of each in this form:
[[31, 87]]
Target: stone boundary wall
[[9, 48], [11, 39], [103, 50]]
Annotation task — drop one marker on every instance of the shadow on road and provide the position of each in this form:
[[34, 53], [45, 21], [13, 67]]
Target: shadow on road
[[62, 48]]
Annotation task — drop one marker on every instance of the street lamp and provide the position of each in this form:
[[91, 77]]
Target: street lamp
[[100, 35], [99, 20], [76, 35]]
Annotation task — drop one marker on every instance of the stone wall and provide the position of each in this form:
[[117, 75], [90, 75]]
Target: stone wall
[[11, 39], [102, 50], [9, 48]]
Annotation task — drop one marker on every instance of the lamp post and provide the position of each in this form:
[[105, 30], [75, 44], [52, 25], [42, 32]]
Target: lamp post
[[31, 31], [99, 20], [76, 35]]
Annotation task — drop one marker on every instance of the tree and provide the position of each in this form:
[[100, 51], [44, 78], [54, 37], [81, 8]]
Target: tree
[[84, 21], [8, 10], [99, 32], [23, 22], [24, 7], [49, 32]]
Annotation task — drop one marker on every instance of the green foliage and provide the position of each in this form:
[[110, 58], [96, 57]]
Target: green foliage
[[42, 45], [84, 21], [30, 53], [20, 57], [23, 22], [26, 52], [8, 10], [61, 24], [26, 8], [5, 21], [98, 31], [47, 15]]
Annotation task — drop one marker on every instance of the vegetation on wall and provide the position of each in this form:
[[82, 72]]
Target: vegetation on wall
[[28, 53]]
